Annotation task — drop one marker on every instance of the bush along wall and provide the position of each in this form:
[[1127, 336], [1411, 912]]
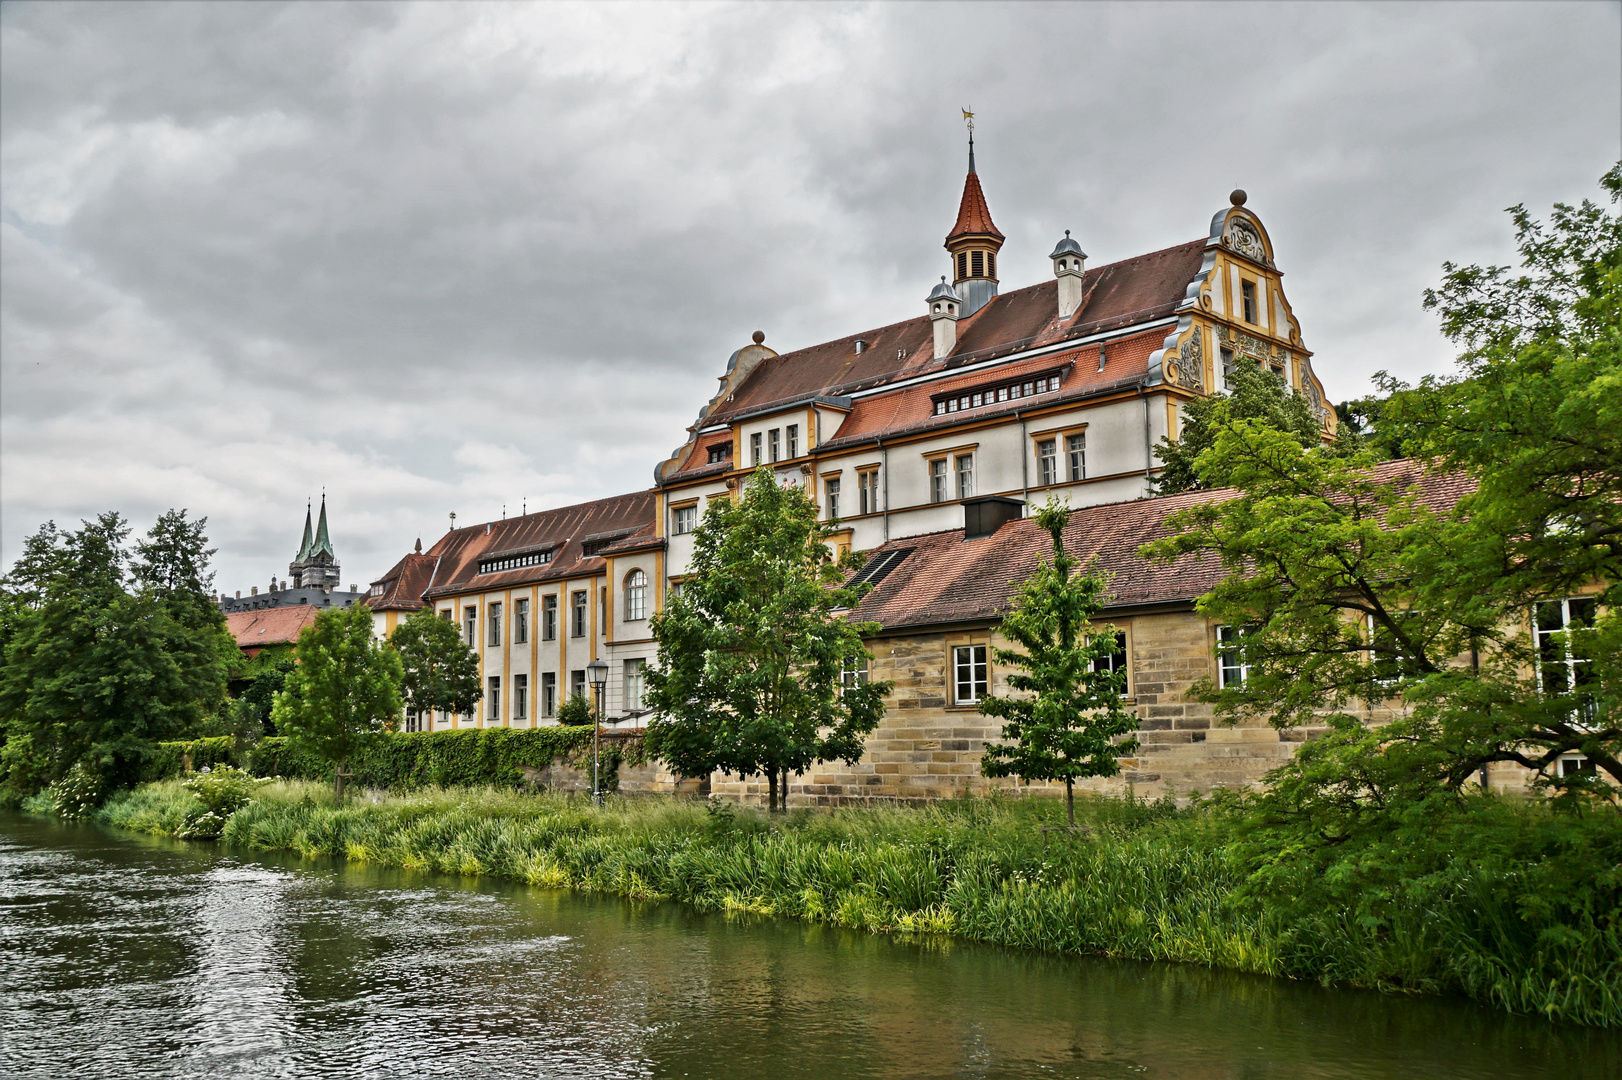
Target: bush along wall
[[401, 762], [167, 760]]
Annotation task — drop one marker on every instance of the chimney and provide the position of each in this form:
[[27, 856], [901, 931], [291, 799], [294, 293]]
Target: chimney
[[1069, 264], [985, 515], [861, 345], [254, 591], [945, 308]]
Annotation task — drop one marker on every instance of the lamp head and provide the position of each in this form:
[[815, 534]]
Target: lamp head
[[597, 673]]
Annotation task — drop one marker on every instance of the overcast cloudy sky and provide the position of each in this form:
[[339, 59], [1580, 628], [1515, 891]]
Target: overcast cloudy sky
[[443, 257]]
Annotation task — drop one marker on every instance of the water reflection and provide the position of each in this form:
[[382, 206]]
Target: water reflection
[[124, 956]]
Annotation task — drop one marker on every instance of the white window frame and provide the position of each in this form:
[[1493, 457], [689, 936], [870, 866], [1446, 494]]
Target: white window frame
[[549, 617], [1230, 636], [521, 696], [1047, 461], [636, 596], [867, 487], [791, 441], [754, 448], [774, 445], [521, 621], [492, 694], [549, 694], [492, 619], [938, 479], [830, 489], [1075, 452], [964, 475], [634, 685], [682, 519], [971, 674]]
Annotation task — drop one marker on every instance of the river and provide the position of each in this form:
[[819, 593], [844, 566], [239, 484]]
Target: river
[[123, 955]]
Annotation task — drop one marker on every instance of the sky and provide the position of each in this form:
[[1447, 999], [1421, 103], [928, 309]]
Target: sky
[[435, 258]]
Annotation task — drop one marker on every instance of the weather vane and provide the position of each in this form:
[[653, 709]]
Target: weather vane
[[968, 119]]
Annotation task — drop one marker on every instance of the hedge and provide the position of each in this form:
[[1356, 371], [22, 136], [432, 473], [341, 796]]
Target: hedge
[[400, 762]]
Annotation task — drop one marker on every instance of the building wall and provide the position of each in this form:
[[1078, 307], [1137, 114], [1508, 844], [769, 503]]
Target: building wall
[[928, 748]]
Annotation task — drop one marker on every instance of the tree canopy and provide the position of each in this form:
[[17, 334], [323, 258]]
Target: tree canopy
[[1255, 392], [106, 652], [344, 690], [440, 670], [759, 669], [1067, 721], [1491, 625]]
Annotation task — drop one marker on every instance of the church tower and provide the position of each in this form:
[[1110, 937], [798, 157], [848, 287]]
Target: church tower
[[974, 242], [316, 565]]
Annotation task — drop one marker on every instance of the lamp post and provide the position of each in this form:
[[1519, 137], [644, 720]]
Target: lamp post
[[597, 674]]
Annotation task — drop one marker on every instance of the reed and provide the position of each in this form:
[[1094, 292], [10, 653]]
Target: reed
[[1144, 881]]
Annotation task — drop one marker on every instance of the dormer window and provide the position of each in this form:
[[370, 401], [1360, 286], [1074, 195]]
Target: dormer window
[[720, 452]]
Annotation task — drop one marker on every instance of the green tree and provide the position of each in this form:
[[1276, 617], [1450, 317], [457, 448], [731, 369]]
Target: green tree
[[1364, 425], [100, 661], [1360, 585], [1255, 392], [759, 668], [576, 712], [345, 689], [1067, 721], [441, 671]]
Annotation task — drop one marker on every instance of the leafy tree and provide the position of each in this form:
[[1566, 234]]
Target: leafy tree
[[1068, 721], [1255, 392], [102, 659], [576, 712], [1363, 424], [1358, 592], [760, 670], [258, 680], [441, 672], [345, 689]]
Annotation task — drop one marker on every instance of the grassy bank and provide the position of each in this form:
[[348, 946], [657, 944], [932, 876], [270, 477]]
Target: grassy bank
[[1528, 928]]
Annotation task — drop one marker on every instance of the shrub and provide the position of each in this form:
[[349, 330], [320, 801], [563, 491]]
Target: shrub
[[223, 791], [80, 793]]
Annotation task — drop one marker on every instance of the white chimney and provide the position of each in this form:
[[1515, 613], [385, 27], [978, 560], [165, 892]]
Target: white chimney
[[1069, 264], [945, 308]]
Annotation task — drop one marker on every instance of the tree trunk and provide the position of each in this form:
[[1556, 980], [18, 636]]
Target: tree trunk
[[1070, 799], [771, 791], [338, 780]]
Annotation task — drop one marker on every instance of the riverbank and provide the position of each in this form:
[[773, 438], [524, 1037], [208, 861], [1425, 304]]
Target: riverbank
[[1506, 904]]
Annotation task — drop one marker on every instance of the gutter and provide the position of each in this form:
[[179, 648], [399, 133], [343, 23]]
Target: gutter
[[1024, 463], [884, 466]]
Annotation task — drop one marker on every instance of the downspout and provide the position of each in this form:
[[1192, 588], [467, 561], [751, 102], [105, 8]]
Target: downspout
[[884, 464], [1024, 464], [1148, 448]]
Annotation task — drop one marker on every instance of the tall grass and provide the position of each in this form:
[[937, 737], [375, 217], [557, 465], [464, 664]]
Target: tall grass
[[1145, 881]]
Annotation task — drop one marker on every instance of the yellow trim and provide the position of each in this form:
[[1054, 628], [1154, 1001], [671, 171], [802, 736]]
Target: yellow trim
[[1070, 429], [608, 612], [506, 658], [930, 455]]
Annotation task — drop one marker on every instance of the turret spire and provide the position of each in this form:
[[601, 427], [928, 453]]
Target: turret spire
[[304, 548], [974, 240], [323, 543]]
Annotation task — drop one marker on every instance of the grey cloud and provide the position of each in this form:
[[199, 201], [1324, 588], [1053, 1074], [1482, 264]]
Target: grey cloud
[[439, 257]]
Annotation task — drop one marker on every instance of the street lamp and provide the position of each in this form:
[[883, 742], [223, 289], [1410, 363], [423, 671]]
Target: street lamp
[[597, 674]]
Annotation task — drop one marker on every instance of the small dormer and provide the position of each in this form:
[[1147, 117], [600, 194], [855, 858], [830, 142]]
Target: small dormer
[[1069, 264], [945, 309]]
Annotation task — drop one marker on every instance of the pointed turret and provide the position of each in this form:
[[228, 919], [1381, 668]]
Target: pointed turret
[[974, 242], [323, 544], [304, 548]]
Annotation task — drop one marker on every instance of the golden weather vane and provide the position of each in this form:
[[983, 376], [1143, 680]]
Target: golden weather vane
[[968, 118]]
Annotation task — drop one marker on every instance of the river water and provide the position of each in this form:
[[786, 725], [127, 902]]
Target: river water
[[123, 955]]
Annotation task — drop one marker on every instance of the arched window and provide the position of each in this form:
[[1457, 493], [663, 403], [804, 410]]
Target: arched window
[[636, 595]]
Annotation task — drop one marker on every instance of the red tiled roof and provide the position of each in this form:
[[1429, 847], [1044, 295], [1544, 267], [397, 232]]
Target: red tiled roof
[[947, 579], [403, 584], [270, 626], [1116, 295], [457, 554], [973, 215], [700, 455], [912, 408]]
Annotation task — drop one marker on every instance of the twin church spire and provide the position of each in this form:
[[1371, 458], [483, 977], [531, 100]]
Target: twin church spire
[[316, 564]]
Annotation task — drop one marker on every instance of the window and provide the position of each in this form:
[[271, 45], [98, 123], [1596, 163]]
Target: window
[[1247, 295], [853, 673], [1227, 366], [447, 614], [1572, 764], [1232, 667], [774, 443], [549, 617], [1075, 448], [965, 476], [549, 693], [470, 626], [1115, 661], [720, 452], [1047, 461], [977, 259], [577, 683], [831, 490], [521, 621], [937, 480], [577, 604], [1386, 656], [991, 264], [682, 519], [494, 620], [636, 596], [879, 565], [791, 435], [867, 489], [968, 674], [520, 697], [493, 696], [979, 396], [962, 265], [633, 686], [514, 562], [754, 448], [1562, 667]]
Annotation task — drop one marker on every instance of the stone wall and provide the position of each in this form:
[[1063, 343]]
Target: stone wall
[[926, 748]]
